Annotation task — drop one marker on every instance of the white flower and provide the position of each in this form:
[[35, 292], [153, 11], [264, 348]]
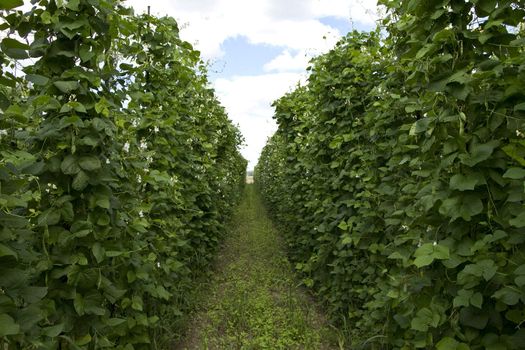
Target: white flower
[[158, 264], [135, 123], [139, 179], [107, 161], [143, 145], [156, 129], [141, 214], [126, 147], [519, 133], [435, 243], [404, 227]]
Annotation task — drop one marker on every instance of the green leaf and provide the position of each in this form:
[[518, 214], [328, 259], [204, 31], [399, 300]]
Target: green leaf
[[420, 126], [474, 318], [103, 203], [78, 304], [54, 331], [462, 182], [113, 322], [8, 325], [83, 340], [136, 303], [520, 106], [73, 4], [515, 173], [425, 318], [484, 268], [37, 79], [509, 295], [98, 252], [89, 163], [66, 86], [80, 181], [343, 225], [73, 105], [10, 4], [6, 251], [33, 294], [463, 298], [477, 300], [69, 165], [480, 152], [447, 344], [518, 221], [8, 43], [429, 252], [14, 48]]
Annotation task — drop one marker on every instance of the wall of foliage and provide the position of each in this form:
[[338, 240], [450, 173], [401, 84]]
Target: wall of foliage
[[398, 175], [118, 170]]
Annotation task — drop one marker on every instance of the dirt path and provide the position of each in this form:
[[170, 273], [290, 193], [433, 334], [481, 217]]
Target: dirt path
[[253, 300]]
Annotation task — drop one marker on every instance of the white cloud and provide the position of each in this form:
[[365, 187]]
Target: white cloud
[[247, 100], [295, 25], [292, 24], [286, 62]]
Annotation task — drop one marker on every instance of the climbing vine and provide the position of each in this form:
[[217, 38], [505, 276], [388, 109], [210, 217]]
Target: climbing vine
[[398, 175], [119, 168]]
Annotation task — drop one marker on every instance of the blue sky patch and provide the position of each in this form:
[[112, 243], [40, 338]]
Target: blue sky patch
[[242, 58]]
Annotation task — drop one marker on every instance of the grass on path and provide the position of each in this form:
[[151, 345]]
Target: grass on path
[[253, 300]]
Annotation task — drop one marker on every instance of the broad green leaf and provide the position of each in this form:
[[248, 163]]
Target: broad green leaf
[[425, 319], [80, 181], [73, 4], [518, 221], [103, 203], [447, 344], [83, 340], [98, 252], [78, 303], [520, 107], [69, 165], [10, 4], [8, 326], [136, 303], [14, 48], [463, 298], [113, 322], [420, 126], [89, 163], [33, 294], [6, 251], [515, 173], [66, 86], [9, 43], [509, 295], [472, 317], [54, 331], [429, 252], [463, 182], [477, 300], [480, 152], [37, 79]]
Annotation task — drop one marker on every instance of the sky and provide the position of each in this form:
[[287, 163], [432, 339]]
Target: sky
[[259, 50]]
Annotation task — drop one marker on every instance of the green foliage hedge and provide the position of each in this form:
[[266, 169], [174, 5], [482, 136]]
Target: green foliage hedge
[[398, 175], [118, 170]]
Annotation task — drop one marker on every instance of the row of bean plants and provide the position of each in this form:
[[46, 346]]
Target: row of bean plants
[[398, 176], [118, 170]]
